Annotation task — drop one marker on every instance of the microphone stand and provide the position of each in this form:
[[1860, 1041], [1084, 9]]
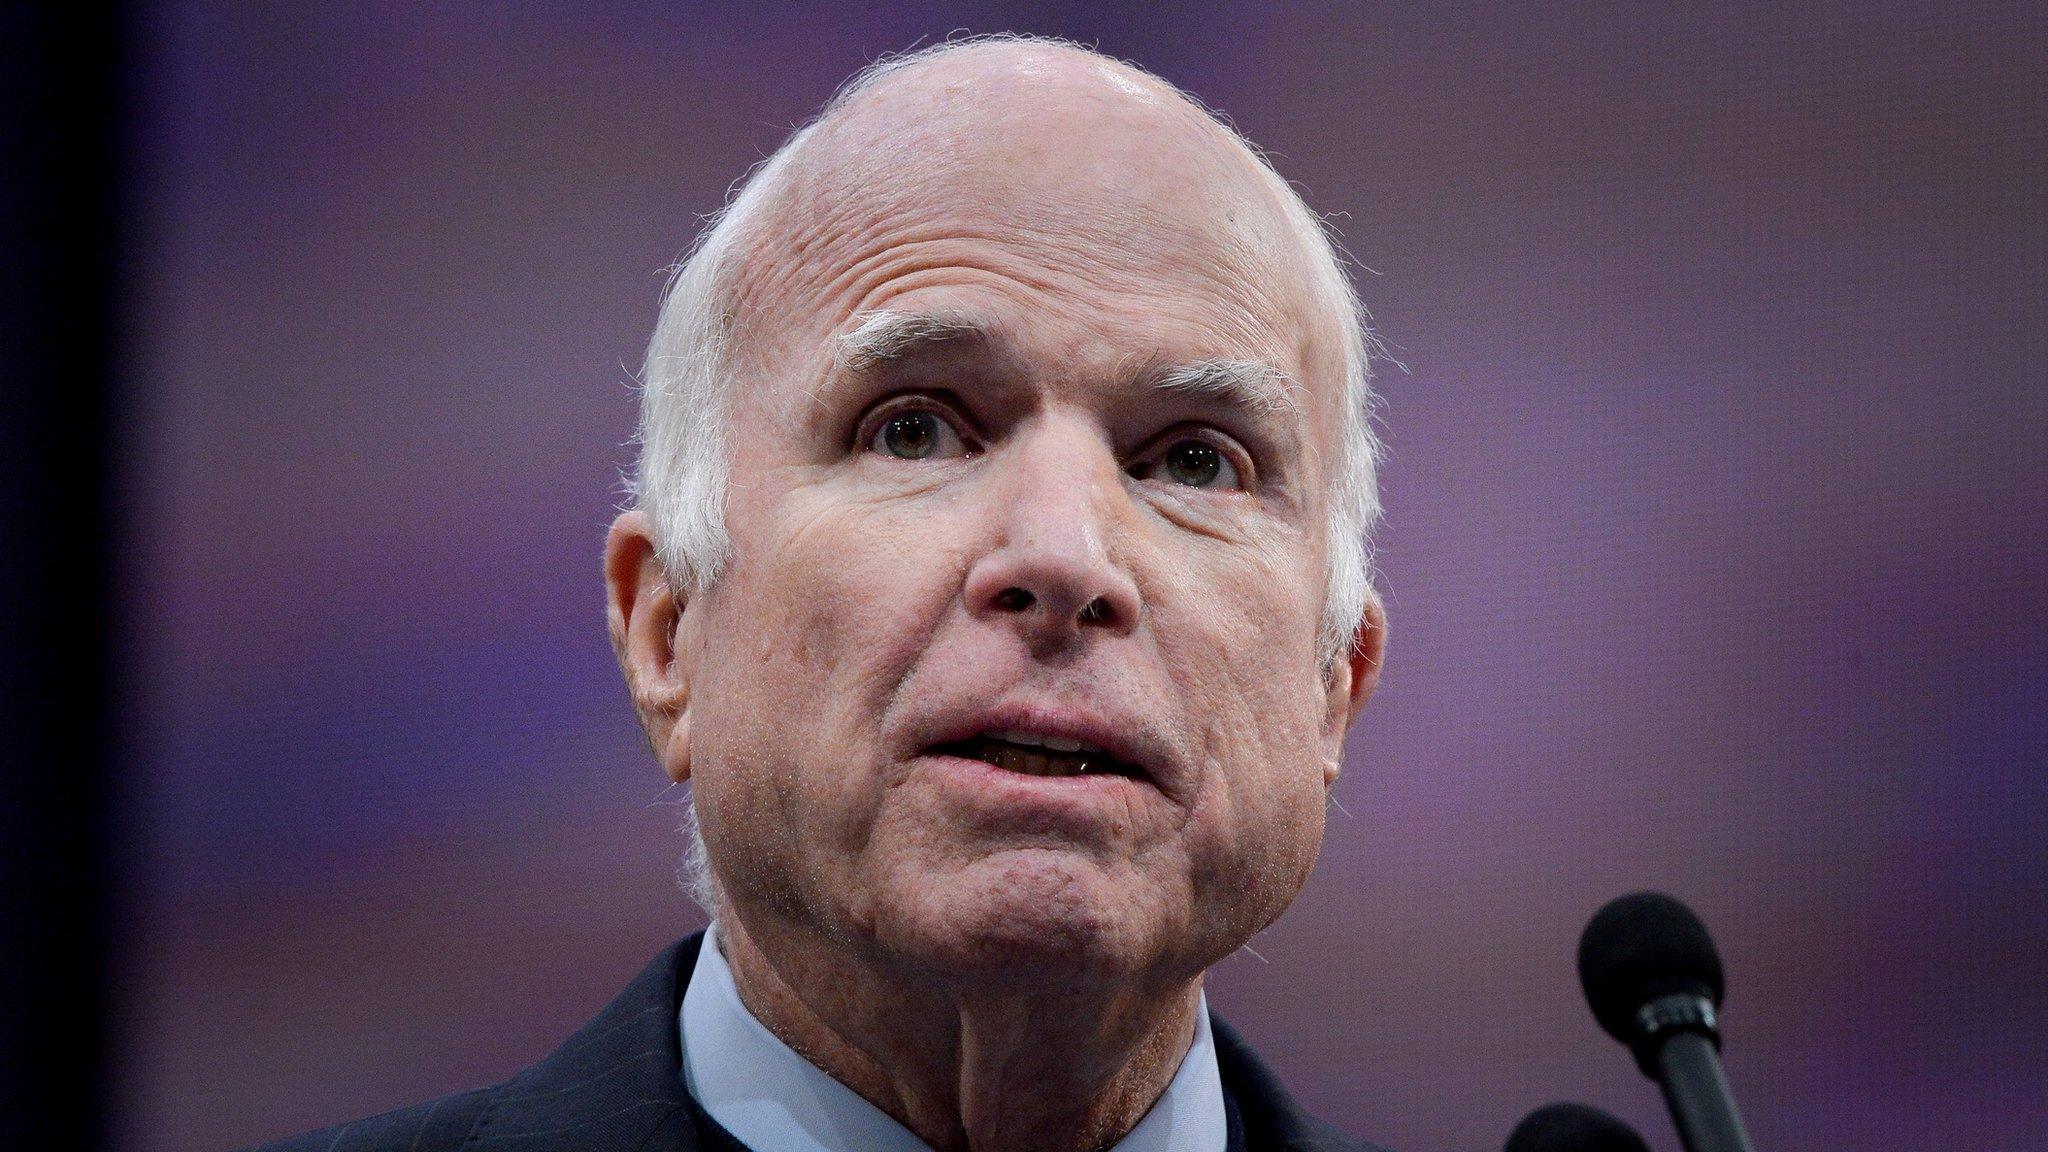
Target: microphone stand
[[1678, 1044]]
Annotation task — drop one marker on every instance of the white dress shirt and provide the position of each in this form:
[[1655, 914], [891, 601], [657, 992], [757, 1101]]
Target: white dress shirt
[[759, 1089]]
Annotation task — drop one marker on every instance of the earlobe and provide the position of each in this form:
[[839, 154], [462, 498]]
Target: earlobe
[[675, 758], [648, 618]]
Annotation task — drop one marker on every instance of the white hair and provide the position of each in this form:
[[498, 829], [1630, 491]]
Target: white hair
[[685, 461]]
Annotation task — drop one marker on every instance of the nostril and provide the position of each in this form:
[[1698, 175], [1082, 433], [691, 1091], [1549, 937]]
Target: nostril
[[1096, 611], [1014, 599]]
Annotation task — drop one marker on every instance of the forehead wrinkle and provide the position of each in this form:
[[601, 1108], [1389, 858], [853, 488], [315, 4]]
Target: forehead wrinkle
[[836, 241], [1237, 310]]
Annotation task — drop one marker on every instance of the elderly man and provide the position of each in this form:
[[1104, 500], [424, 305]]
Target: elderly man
[[997, 582]]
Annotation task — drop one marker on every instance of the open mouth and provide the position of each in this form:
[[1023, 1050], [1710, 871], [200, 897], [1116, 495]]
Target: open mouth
[[1030, 754]]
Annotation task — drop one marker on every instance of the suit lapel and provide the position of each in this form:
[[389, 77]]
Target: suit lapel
[[1264, 1116], [615, 1086]]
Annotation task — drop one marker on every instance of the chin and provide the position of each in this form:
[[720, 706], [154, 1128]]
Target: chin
[[1031, 917]]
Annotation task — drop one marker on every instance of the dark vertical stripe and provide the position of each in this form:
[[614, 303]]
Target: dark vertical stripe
[[59, 159]]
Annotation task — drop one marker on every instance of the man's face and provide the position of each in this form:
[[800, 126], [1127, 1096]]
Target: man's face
[[1014, 670]]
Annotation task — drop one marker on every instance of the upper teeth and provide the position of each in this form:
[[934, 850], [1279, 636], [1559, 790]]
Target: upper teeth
[[1050, 743]]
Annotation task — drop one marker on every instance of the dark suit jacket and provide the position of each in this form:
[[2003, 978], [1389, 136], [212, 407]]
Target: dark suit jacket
[[617, 1086]]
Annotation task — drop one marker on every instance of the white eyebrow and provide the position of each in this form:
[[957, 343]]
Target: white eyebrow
[[883, 336], [1249, 384]]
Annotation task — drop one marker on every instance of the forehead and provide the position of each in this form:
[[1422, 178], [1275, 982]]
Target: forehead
[[1085, 198]]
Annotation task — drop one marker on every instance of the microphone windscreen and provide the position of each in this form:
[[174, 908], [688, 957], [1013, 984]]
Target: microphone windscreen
[[1573, 1128], [1640, 947]]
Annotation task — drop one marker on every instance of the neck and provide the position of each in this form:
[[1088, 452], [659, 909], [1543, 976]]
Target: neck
[[967, 1066]]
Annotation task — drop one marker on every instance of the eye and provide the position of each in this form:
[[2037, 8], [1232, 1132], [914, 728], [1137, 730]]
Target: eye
[[1191, 462], [916, 434]]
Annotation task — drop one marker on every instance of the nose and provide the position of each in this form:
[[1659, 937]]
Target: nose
[[1049, 571]]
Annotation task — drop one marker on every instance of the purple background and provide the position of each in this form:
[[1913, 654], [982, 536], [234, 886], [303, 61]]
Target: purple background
[[1714, 546]]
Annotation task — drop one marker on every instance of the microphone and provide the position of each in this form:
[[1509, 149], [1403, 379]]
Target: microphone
[[1653, 980], [1573, 1127]]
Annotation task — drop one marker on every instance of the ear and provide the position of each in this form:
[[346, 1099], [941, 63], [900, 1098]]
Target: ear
[[1351, 683], [653, 634]]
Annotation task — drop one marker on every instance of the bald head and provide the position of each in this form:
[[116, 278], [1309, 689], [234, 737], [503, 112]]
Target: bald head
[[1018, 165], [1030, 107], [1042, 145], [1040, 99]]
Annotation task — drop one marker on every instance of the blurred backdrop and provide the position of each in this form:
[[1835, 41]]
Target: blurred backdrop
[[1714, 548]]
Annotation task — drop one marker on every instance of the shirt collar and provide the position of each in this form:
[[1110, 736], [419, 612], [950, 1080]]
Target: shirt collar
[[760, 1090]]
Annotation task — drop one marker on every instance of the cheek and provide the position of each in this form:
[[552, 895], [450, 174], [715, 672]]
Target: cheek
[[857, 590], [1256, 833], [1237, 631], [1251, 590], [1235, 624], [824, 611]]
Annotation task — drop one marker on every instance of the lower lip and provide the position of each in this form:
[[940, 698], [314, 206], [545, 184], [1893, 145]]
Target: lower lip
[[1017, 790]]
